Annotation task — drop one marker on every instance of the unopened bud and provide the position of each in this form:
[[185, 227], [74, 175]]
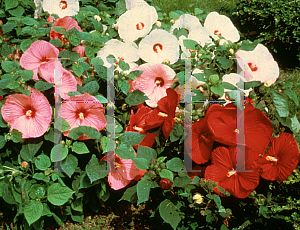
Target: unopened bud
[[231, 51], [115, 26], [97, 17], [172, 21], [158, 23], [166, 61], [24, 164], [268, 83], [165, 184]]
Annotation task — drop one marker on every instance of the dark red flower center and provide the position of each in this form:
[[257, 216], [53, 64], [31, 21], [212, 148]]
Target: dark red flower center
[[63, 5], [159, 82], [187, 30], [252, 66], [157, 47], [140, 26]]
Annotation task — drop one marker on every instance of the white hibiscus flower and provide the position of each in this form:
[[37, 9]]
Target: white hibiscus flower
[[121, 51], [220, 25], [187, 22], [62, 8], [258, 65], [137, 22], [130, 4], [158, 46]]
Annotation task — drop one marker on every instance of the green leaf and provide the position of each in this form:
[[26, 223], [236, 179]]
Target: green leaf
[[143, 190], [130, 194], [36, 191], [217, 89], [91, 87], [18, 12], [165, 173], [6, 28], [229, 86], [42, 162], [96, 169], [262, 209], [27, 75], [175, 164], [182, 182], [42, 85], [176, 132], [281, 104], [146, 152], [29, 21], [97, 61], [161, 159], [198, 11], [174, 14], [42, 177], [80, 148], [33, 211], [200, 76], [16, 136], [123, 65], [120, 7], [190, 44], [78, 69], [224, 62], [251, 84], [58, 194], [69, 165], [29, 150], [2, 142], [131, 138], [199, 95], [141, 163], [124, 86], [60, 30], [55, 42], [168, 213], [125, 152], [136, 97], [91, 132], [249, 45], [7, 194], [9, 66], [61, 124], [292, 96], [10, 4], [58, 153], [26, 44], [295, 126]]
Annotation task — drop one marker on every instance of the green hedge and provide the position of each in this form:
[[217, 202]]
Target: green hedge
[[277, 22]]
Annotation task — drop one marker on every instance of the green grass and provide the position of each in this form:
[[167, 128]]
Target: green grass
[[221, 6]]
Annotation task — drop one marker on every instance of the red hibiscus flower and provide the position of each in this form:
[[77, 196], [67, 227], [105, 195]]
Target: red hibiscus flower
[[257, 127], [223, 171], [202, 141], [164, 113], [281, 159], [137, 122]]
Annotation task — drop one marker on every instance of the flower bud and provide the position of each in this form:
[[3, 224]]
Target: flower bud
[[165, 184], [24, 164], [96, 17], [268, 83], [50, 19], [166, 61], [231, 51], [158, 23], [115, 26], [172, 21]]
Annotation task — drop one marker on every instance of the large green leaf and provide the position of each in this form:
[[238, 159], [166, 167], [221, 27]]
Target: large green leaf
[[281, 104], [131, 138], [42, 162], [130, 194], [125, 152], [143, 190], [33, 211], [10, 4], [136, 97], [146, 152], [58, 194], [168, 213], [61, 124], [69, 165], [58, 153], [80, 148], [175, 164], [96, 169]]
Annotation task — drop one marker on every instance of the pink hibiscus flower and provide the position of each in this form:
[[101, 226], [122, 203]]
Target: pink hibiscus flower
[[154, 81], [66, 22], [31, 114], [125, 171], [85, 110], [68, 84], [40, 57]]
